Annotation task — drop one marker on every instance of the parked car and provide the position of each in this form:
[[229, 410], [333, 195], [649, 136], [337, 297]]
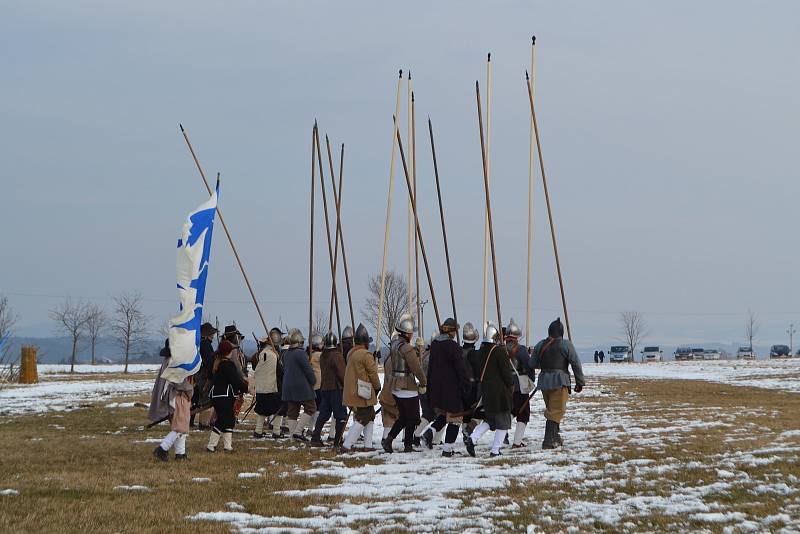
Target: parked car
[[620, 353], [745, 353], [683, 354], [698, 354], [712, 354], [780, 351], [652, 354]]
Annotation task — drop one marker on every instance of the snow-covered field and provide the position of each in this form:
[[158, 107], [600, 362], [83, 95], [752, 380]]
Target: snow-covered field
[[426, 493], [57, 369], [771, 374]]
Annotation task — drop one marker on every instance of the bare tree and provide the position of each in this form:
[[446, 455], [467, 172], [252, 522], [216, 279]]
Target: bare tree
[[129, 324], [71, 317], [633, 328], [395, 302], [96, 323], [320, 324], [8, 320], [751, 327]]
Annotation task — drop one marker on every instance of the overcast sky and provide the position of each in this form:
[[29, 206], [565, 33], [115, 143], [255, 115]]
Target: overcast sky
[[669, 132]]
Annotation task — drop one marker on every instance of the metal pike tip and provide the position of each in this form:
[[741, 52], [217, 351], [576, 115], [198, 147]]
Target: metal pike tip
[[533, 39], [489, 56], [401, 73], [181, 125], [527, 77]]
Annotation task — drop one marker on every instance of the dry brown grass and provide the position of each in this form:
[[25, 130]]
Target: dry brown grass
[[66, 477]]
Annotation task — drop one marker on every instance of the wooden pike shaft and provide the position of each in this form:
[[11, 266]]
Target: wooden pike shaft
[[444, 229], [395, 131], [227, 233], [528, 286], [547, 201], [416, 238], [487, 165], [488, 209], [337, 198], [419, 231], [311, 233], [328, 235], [410, 221]]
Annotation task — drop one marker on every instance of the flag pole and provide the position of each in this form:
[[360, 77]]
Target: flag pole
[[395, 132], [227, 232], [444, 230], [419, 230], [488, 208], [547, 201], [328, 235], [311, 233], [528, 288]]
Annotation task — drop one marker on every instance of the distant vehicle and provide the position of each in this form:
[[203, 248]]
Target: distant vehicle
[[780, 351], [620, 353], [745, 353], [683, 354], [652, 354], [698, 354], [712, 354]]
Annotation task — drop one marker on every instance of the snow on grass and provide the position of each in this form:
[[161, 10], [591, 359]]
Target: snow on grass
[[57, 369], [771, 374], [64, 395], [134, 488], [201, 480], [249, 475], [9, 492]]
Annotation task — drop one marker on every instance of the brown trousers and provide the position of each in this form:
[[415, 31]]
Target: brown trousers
[[555, 401], [293, 411]]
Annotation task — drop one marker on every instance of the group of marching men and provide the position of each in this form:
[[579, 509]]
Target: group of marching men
[[429, 393]]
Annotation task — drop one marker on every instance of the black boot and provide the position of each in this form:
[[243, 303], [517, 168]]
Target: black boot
[[387, 445], [316, 436], [339, 437], [183, 456], [428, 437], [557, 435], [469, 444], [161, 454], [549, 435]]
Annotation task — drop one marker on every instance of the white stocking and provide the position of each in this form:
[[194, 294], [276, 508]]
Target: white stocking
[[479, 431], [180, 444], [519, 432], [352, 435], [499, 436], [368, 431], [169, 440]]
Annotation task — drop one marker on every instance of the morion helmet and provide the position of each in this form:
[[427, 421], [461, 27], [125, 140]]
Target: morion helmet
[[513, 330], [405, 324], [362, 336], [490, 333], [347, 332], [470, 335], [295, 338], [330, 340], [316, 342]]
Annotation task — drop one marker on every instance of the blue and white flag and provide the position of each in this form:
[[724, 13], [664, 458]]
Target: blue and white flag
[[194, 250]]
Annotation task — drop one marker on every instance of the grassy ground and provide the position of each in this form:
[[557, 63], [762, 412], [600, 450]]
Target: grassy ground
[[68, 467]]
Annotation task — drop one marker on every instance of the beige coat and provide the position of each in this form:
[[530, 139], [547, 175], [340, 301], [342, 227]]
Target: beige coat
[[360, 366], [408, 382], [317, 369], [266, 377], [386, 396]]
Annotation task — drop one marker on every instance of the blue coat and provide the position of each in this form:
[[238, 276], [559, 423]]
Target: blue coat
[[298, 376]]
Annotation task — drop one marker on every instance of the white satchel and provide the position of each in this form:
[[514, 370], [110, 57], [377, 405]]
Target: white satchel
[[364, 389]]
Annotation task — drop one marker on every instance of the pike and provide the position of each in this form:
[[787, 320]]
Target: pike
[[328, 234], [414, 174], [444, 230], [488, 206], [487, 173], [547, 201], [311, 232], [228, 234], [395, 132], [337, 197], [528, 317], [419, 230]]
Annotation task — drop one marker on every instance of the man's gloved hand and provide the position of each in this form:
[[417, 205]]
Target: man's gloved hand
[[422, 390], [578, 388]]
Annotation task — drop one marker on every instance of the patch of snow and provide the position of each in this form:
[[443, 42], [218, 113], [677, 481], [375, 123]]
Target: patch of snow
[[64, 395], [59, 369], [9, 492], [249, 475], [132, 488], [201, 480], [235, 506]]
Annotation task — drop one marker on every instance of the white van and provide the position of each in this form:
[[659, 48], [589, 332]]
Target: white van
[[652, 354], [620, 353]]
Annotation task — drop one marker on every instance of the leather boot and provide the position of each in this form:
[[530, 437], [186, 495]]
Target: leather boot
[[316, 436], [549, 435], [338, 437], [557, 435]]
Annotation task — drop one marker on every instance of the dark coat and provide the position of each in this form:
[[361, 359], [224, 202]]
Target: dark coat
[[207, 358], [332, 365], [447, 375], [298, 376], [228, 381], [498, 381], [347, 346]]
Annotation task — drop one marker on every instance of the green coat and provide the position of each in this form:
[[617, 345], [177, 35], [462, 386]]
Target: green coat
[[498, 380]]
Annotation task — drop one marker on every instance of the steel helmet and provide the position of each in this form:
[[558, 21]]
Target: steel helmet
[[316, 342], [295, 338], [470, 334], [362, 336], [513, 330], [347, 332], [405, 324], [330, 340], [490, 333]]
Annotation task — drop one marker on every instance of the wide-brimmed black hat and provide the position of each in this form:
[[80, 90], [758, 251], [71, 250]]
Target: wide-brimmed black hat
[[231, 329], [207, 329], [449, 325]]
